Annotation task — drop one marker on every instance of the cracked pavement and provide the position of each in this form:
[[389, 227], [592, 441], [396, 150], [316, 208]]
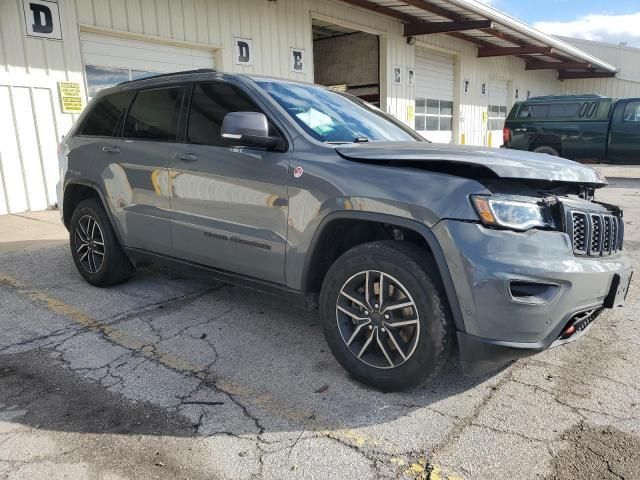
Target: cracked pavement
[[175, 376]]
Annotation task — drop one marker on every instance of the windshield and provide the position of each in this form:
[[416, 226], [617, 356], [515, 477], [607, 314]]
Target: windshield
[[334, 117]]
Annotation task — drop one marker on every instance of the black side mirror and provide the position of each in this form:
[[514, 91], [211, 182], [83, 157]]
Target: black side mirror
[[248, 128]]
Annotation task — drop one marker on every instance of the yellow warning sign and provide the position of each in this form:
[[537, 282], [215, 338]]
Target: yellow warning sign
[[70, 98]]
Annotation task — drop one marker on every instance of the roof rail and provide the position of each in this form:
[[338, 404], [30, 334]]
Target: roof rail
[[171, 74], [567, 97]]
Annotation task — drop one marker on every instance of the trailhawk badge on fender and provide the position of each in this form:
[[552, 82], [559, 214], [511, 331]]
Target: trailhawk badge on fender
[[297, 172]]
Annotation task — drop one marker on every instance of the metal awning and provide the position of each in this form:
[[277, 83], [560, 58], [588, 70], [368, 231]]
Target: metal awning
[[493, 32]]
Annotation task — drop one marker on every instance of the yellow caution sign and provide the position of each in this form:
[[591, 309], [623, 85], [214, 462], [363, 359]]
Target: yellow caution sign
[[70, 98]]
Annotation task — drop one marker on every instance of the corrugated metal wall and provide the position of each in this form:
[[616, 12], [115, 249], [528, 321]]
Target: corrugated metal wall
[[32, 122], [470, 125], [626, 59], [30, 68]]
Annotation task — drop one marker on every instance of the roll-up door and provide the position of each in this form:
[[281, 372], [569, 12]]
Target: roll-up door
[[497, 111], [434, 95], [110, 60]]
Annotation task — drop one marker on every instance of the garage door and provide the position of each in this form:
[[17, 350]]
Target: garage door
[[434, 95], [111, 60], [498, 101]]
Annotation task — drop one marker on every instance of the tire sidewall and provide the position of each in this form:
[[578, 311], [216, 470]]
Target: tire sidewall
[[429, 303], [547, 150], [95, 211]]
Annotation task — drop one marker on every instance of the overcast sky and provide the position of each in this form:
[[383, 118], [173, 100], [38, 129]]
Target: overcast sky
[[611, 21]]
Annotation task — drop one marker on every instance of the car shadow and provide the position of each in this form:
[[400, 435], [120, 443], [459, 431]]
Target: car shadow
[[224, 352]]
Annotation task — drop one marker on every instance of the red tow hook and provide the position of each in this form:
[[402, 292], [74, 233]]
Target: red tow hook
[[569, 331]]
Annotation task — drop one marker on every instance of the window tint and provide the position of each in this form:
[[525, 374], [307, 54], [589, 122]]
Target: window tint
[[592, 109], [534, 111], [632, 112], [210, 102], [105, 117], [154, 114], [563, 110]]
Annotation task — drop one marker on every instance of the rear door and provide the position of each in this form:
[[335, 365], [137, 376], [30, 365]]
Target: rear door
[[141, 176], [624, 139], [229, 204]]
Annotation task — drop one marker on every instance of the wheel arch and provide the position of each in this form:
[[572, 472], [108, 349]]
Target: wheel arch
[[315, 265], [546, 140], [77, 190]]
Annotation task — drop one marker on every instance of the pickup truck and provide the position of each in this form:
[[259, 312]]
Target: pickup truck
[[588, 128]]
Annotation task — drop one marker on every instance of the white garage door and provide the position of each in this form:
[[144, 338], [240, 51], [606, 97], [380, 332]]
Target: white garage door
[[111, 60], [497, 112], [434, 95]]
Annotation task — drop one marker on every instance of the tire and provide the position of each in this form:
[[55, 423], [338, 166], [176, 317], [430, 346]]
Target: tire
[[548, 150], [415, 279], [110, 264]]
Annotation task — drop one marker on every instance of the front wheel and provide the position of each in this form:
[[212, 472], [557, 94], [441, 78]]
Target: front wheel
[[385, 315], [95, 248]]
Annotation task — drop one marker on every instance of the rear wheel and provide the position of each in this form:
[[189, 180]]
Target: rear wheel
[[548, 150], [95, 248], [385, 316]]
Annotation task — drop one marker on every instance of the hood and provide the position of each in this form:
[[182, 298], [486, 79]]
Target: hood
[[504, 163]]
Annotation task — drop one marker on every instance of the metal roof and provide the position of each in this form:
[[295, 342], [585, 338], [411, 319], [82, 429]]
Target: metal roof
[[493, 32]]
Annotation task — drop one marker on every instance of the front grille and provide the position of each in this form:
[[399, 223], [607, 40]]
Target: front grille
[[595, 234]]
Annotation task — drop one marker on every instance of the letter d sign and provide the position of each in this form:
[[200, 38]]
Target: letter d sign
[[42, 19]]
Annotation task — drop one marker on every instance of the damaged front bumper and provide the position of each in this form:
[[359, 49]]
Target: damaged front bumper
[[520, 293]]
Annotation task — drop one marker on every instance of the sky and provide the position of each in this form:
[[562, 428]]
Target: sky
[[612, 21]]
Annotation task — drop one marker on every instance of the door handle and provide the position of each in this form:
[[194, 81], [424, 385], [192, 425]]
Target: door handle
[[110, 149], [186, 157]]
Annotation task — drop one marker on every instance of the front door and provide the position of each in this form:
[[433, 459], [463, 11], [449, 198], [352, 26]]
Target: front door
[[229, 204], [141, 176], [624, 143]]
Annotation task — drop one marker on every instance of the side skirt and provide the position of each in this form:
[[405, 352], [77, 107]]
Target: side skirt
[[306, 301]]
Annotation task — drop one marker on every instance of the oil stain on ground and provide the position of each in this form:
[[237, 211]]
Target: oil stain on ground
[[597, 453]]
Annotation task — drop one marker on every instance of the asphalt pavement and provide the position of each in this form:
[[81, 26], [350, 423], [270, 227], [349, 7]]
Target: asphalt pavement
[[175, 376]]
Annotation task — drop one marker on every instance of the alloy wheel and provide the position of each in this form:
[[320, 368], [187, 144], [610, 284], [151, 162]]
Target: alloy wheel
[[377, 319], [89, 244]]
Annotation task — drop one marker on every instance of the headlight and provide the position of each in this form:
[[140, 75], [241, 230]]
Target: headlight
[[516, 213]]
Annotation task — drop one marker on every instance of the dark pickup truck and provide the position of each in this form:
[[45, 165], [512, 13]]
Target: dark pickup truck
[[587, 127]]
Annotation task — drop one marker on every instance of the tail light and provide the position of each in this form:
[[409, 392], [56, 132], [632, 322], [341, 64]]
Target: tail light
[[506, 136]]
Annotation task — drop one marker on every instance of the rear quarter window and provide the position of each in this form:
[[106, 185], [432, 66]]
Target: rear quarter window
[[105, 117]]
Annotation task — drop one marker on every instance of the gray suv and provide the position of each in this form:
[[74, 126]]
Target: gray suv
[[414, 252]]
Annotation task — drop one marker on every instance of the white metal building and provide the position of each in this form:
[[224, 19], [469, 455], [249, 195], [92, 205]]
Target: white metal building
[[450, 68], [626, 83]]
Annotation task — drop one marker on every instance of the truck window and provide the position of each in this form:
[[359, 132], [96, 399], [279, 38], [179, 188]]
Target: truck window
[[105, 117], [534, 111], [154, 114], [632, 112], [563, 110]]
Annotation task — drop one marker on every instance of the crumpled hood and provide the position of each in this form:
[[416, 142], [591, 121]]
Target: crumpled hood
[[503, 162]]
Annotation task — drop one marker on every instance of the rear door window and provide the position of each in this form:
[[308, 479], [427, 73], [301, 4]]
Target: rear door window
[[105, 118], [154, 114]]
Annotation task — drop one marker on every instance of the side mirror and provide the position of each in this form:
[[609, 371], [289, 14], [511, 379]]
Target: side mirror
[[248, 128]]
